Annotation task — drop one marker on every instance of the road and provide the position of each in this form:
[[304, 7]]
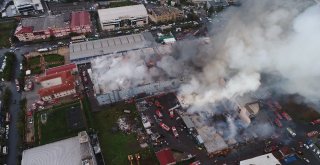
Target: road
[[14, 108]]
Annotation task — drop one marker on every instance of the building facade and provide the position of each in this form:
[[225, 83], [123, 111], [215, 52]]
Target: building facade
[[123, 17], [165, 14]]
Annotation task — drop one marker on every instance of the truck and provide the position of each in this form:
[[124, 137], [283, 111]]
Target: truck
[[315, 122], [289, 159], [291, 132], [312, 134], [164, 126]]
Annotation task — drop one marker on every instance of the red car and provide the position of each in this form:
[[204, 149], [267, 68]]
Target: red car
[[159, 114], [165, 127], [175, 132], [312, 134], [314, 122]]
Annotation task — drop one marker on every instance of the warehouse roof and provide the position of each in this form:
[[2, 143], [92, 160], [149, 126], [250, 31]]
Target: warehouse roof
[[45, 22], [125, 11], [106, 46], [267, 159], [65, 152]]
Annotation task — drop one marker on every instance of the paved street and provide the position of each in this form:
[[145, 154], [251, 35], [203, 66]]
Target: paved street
[[14, 109]]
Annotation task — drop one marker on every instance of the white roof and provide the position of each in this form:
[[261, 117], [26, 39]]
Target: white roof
[[64, 152], [267, 159], [106, 46], [125, 11]]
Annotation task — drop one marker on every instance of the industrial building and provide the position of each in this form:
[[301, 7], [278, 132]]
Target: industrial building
[[26, 6], [123, 17], [84, 52], [73, 151], [57, 83], [165, 14], [267, 159], [35, 28]]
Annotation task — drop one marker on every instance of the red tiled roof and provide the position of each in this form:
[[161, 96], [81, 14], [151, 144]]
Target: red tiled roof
[[64, 76], [67, 67], [67, 83], [165, 156], [80, 18], [55, 89], [21, 30]]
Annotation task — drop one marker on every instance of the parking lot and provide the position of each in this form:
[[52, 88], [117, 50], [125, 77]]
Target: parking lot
[[156, 110]]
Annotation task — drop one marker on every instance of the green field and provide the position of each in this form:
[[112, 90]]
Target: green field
[[34, 61], [53, 58], [6, 29], [116, 146], [56, 128]]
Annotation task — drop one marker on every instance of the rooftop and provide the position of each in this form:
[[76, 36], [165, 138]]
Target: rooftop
[[165, 156], [267, 159], [125, 11], [67, 83], [108, 46], [58, 8], [80, 18], [62, 68], [164, 10], [65, 152], [45, 22]]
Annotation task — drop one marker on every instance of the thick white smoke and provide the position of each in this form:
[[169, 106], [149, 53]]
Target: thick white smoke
[[280, 38]]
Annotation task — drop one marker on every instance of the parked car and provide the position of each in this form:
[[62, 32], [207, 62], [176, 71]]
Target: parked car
[[175, 132]]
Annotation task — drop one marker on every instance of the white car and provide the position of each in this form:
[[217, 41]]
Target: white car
[[307, 160], [307, 147]]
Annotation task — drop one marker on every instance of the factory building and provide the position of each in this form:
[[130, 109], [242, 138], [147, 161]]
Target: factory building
[[165, 14], [84, 52], [123, 17]]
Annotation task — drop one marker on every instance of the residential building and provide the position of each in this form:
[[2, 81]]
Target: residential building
[[123, 17], [165, 14], [58, 82], [73, 151], [26, 6], [36, 28], [80, 22]]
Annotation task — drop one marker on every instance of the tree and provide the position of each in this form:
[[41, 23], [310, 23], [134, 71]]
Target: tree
[[210, 11]]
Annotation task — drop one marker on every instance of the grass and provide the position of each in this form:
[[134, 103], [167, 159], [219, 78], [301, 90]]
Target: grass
[[116, 146], [36, 70], [54, 58], [6, 29], [56, 128], [34, 61]]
